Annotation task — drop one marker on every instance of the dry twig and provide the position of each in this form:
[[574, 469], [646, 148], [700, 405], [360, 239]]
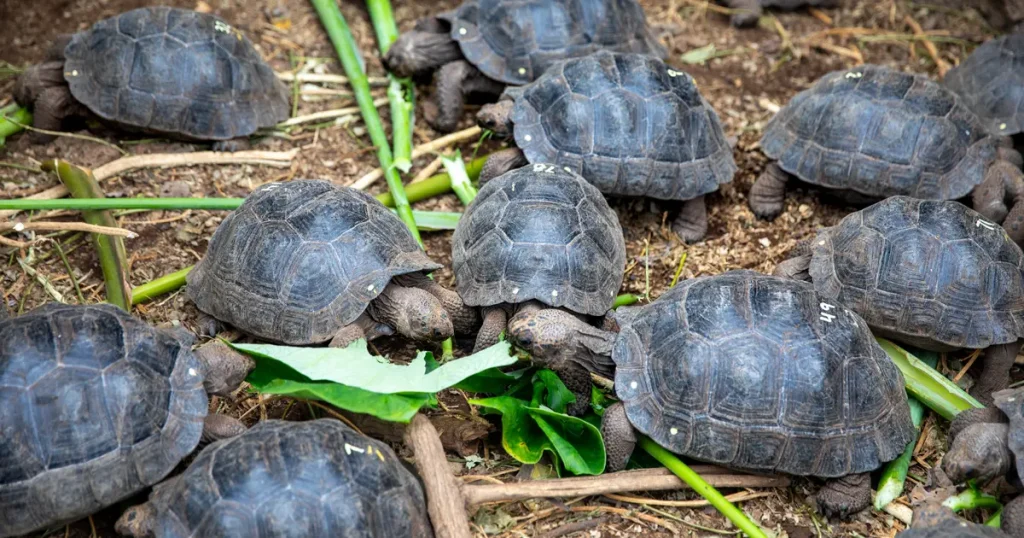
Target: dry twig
[[430, 147]]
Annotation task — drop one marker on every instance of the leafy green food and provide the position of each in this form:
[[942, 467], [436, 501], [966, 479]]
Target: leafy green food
[[928, 385], [355, 366]]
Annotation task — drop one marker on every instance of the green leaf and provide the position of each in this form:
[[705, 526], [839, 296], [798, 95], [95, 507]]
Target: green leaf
[[354, 366], [271, 377], [528, 432], [555, 396], [491, 381], [599, 401], [699, 56]]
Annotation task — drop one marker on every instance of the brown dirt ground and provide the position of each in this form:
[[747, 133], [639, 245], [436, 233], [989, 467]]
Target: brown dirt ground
[[763, 68]]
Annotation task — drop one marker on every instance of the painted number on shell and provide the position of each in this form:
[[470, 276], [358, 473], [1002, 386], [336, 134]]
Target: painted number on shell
[[222, 27], [825, 316], [984, 224], [545, 168]]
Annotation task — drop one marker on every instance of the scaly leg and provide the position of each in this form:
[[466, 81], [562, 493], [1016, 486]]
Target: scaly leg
[[692, 223], [500, 162], [750, 12], [363, 327], [995, 373], [495, 320], [454, 81], [619, 437], [768, 193], [845, 496]]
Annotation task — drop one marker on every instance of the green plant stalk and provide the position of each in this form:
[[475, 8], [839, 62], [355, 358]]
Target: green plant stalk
[[7, 128], [401, 93], [694, 480], [461, 184], [996, 520], [336, 27], [927, 384], [626, 299], [160, 286], [971, 498], [113, 260], [434, 185], [890, 486]]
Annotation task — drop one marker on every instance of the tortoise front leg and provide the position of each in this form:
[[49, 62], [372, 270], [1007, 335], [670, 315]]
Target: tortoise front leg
[[1012, 519], [768, 193], [995, 370], [495, 320], [619, 437], [217, 427], [749, 11], [500, 162], [692, 223], [232, 145], [454, 81], [798, 265], [845, 496], [577, 380], [363, 327]]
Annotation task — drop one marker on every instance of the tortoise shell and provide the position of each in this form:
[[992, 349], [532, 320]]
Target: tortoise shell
[[539, 233], [315, 478], [953, 527], [760, 373], [881, 133], [174, 71], [299, 260], [628, 123], [95, 406], [1011, 403], [515, 41], [991, 83], [924, 272]]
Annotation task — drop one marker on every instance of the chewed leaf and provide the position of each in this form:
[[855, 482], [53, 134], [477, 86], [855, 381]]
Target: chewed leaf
[[356, 367]]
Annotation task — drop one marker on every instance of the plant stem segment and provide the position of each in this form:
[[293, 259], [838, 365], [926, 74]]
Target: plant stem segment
[[21, 116], [694, 480], [434, 185], [927, 384], [336, 27], [160, 286], [459, 178], [400, 90]]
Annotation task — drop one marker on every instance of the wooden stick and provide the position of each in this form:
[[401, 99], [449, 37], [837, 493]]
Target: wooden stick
[[282, 159], [327, 78], [430, 147], [67, 226], [640, 480], [428, 170], [445, 503], [329, 114]]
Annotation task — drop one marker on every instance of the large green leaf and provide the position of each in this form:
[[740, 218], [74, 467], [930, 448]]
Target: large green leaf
[[355, 366], [555, 395], [271, 377], [527, 432]]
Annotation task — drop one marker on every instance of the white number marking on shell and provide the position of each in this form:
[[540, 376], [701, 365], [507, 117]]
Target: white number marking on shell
[[673, 73], [825, 316], [545, 168], [984, 224], [349, 449], [222, 27], [854, 74]]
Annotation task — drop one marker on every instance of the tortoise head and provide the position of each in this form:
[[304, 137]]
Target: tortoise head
[[418, 315], [497, 118], [552, 336], [137, 521], [979, 451], [423, 50], [225, 367]]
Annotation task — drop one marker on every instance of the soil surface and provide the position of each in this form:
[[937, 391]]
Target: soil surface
[[753, 72]]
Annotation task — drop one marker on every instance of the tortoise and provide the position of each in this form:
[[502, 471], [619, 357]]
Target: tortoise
[[746, 370], [932, 274], [988, 443], [96, 405], [937, 521], [1005, 15], [159, 70], [305, 262], [313, 478], [749, 11], [538, 234], [872, 132], [485, 45], [991, 83], [628, 123]]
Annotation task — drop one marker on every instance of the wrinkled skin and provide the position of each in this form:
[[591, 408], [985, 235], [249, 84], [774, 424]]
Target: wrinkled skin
[[409, 311]]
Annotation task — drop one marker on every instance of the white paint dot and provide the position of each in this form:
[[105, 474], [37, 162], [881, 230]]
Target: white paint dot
[[633, 385], [462, 31], [369, 288], [515, 291], [1002, 126], [1010, 399], [192, 372], [522, 70], [673, 431], [554, 293], [527, 138], [567, 169], [822, 242], [74, 73], [19, 227]]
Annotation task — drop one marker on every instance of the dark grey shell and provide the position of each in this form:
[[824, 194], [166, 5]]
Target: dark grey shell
[[924, 271], [760, 373], [95, 406], [540, 233], [315, 478], [299, 260], [515, 41], [991, 83], [174, 71], [627, 123], [1011, 403], [881, 133]]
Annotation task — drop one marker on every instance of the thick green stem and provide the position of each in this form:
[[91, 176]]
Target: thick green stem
[[20, 116], [434, 185], [113, 260], [626, 299], [336, 27], [694, 480], [160, 286], [927, 384], [401, 93], [459, 178], [970, 499], [890, 486]]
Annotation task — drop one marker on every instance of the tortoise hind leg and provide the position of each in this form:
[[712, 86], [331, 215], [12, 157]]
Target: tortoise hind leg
[[748, 12], [618, 435], [363, 327], [692, 223], [995, 372], [768, 193], [845, 496], [1012, 520], [232, 145]]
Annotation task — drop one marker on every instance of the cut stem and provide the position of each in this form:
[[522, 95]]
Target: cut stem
[[160, 286], [927, 384], [434, 186], [680, 469], [626, 299], [20, 117], [461, 184]]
